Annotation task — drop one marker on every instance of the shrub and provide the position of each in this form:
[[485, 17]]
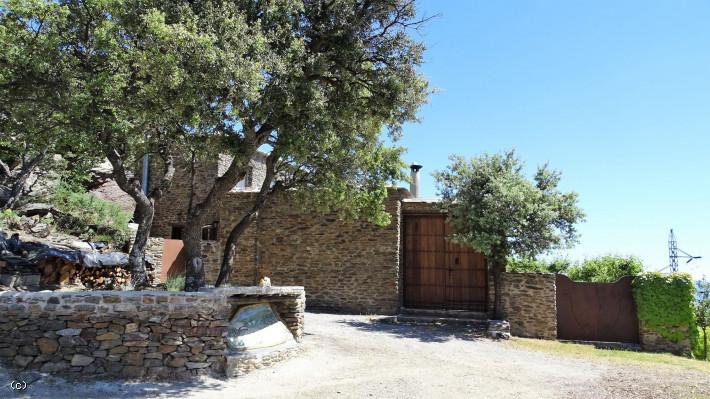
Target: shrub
[[10, 220], [175, 283], [605, 269], [85, 215], [665, 304], [528, 265]]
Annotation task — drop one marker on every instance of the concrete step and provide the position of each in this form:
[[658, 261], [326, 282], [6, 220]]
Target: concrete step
[[438, 320], [443, 313]]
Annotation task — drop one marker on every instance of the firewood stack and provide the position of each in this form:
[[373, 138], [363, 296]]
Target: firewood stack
[[58, 272]]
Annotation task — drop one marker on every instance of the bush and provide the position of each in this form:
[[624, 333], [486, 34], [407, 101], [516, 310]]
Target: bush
[[528, 265], [175, 283], [665, 304], [9, 219], [85, 215], [605, 269]]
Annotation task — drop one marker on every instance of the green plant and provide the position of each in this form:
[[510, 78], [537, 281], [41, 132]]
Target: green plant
[[702, 314], [9, 219], [605, 269], [83, 214], [528, 265], [664, 304], [175, 283]]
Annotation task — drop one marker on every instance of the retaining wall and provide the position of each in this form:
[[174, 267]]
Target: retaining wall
[[529, 303], [131, 334]]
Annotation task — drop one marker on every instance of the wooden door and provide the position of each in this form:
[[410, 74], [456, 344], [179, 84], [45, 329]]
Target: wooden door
[[437, 273]]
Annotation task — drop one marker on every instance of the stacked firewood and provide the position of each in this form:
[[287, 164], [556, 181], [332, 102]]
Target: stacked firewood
[[58, 272]]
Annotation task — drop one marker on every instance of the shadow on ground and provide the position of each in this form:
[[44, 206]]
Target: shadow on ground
[[425, 332], [52, 387]]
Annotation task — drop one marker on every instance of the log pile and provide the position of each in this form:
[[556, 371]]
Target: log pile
[[59, 273]]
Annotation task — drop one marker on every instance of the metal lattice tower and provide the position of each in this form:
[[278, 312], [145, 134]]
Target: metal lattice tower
[[673, 253]]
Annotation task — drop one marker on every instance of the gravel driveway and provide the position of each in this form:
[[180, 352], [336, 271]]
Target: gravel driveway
[[356, 357]]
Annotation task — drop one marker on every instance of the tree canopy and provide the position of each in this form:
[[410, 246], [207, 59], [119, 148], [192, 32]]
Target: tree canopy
[[495, 209]]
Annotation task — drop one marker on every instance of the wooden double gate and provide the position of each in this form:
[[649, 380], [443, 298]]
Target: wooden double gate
[[596, 311], [437, 273]]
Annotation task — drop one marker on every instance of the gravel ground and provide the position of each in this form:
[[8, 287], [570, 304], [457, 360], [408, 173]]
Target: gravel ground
[[356, 357]]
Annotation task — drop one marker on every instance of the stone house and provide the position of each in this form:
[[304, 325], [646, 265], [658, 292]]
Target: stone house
[[357, 267]]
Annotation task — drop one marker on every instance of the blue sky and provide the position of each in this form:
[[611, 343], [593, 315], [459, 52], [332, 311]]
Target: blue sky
[[616, 95]]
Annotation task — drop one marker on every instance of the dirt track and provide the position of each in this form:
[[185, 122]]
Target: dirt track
[[353, 357]]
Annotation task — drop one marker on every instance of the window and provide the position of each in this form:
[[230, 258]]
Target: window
[[248, 179], [176, 232], [209, 232]]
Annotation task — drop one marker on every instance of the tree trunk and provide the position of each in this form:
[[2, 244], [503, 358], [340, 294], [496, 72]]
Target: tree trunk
[[194, 268], [266, 191], [21, 179], [230, 248], [136, 259], [145, 208], [498, 262], [705, 344]]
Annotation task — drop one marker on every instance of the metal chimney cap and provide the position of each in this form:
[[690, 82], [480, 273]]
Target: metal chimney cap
[[415, 167]]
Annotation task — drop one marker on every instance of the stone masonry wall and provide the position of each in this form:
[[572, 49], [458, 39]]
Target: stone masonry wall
[[130, 334], [344, 266], [652, 341], [528, 302]]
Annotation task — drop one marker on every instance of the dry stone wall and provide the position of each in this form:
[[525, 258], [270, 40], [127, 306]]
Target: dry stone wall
[[129, 334], [529, 303], [652, 341], [344, 266]]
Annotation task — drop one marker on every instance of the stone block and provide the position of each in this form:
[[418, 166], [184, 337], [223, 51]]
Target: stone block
[[81, 360], [47, 345]]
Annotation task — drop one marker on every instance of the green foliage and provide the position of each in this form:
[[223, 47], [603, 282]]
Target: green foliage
[[175, 283], [664, 303], [496, 210], [9, 219], [702, 315], [528, 265], [85, 215], [605, 269]]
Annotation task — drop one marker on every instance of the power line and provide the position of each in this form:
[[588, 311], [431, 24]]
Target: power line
[[673, 254]]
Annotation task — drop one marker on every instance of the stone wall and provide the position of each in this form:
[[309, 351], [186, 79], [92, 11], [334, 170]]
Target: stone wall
[[344, 266], [652, 341], [528, 302], [130, 334]]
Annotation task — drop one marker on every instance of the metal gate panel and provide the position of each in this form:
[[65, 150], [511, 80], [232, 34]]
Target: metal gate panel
[[596, 311]]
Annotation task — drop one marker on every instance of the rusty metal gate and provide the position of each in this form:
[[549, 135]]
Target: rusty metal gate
[[596, 311], [437, 273], [174, 259]]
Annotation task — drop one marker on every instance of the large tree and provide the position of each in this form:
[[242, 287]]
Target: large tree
[[334, 76], [495, 209], [134, 76]]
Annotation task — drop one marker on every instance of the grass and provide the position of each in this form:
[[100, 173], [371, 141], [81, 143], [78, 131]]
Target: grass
[[87, 216], [590, 352], [175, 283]]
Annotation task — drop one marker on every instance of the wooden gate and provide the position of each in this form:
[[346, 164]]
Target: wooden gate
[[437, 273], [596, 311]]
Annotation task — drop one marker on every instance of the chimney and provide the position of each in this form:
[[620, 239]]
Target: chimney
[[414, 185]]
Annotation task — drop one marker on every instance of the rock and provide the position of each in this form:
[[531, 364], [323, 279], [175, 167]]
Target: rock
[[40, 230], [28, 350], [23, 361], [167, 348], [131, 327], [196, 365], [118, 350], [110, 344], [39, 209], [172, 361], [47, 345], [54, 367], [133, 372], [109, 336], [69, 332], [498, 329], [133, 358], [81, 360], [154, 355]]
